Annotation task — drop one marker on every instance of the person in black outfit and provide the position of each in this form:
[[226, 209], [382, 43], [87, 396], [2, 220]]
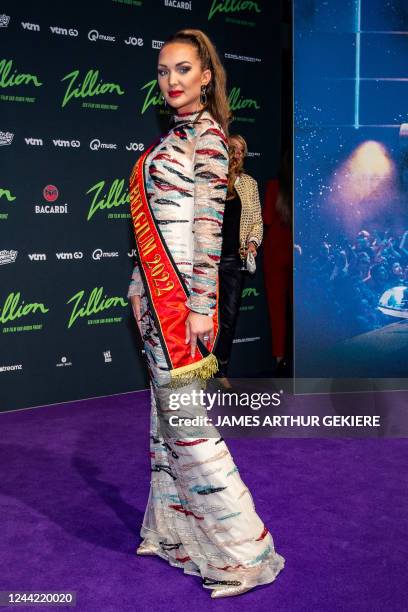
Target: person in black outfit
[[241, 232]]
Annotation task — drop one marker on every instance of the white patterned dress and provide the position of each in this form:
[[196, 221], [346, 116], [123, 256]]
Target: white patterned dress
[[199, 513]]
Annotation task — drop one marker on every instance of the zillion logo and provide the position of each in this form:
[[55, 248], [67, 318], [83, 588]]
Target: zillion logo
[[6, 193], [13, 309], [94, 304], [89, 87], [249, 291], [116, 196], [13, 79], [232, 6], [237, 102], [153, 98]]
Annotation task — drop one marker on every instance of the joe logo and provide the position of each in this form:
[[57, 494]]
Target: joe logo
[[50, 193]]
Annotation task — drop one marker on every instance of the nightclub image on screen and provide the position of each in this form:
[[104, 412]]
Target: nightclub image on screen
[[351, 188]]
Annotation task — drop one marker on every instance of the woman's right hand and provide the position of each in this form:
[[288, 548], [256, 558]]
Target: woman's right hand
[[135, 301]]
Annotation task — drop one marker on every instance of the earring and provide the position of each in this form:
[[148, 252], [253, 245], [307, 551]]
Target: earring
[[203, 95]]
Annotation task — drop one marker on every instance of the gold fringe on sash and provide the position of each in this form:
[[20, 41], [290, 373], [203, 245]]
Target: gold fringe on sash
[[201, 370]]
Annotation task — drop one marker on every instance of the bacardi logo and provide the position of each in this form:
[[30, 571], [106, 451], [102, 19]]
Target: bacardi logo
[[50, 193]]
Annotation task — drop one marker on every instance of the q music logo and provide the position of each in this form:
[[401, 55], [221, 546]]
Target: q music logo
[[96, 145], [94, 35]]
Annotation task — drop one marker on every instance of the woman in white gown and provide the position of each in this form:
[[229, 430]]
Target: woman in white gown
[[200, 516]]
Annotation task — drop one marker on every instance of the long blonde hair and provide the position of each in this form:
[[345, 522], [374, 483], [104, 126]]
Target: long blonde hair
[[217, 99], [235, 168]]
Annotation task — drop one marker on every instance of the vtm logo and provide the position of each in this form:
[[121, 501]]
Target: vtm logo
[[70, 256], [50, 193], [33, 27], [64, 31], [37, 256], [66, 143], [232, 6], [34, 142]]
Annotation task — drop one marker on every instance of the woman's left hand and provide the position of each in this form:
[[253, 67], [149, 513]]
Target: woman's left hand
[[199, 326]]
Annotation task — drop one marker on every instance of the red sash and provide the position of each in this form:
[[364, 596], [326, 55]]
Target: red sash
[[166, 289]]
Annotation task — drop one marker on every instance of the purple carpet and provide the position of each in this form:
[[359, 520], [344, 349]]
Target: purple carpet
[[74, 484]]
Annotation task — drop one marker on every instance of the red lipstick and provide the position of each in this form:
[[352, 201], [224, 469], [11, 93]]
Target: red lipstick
[[175, 93]]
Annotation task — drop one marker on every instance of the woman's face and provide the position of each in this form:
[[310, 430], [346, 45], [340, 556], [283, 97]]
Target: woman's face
[[180, 76], [237, 150]]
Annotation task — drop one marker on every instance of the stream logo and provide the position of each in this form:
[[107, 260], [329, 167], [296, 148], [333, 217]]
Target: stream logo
[[11, 368]]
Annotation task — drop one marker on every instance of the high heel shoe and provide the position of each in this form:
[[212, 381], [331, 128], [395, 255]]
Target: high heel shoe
[[147, 548], [230, 591]]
